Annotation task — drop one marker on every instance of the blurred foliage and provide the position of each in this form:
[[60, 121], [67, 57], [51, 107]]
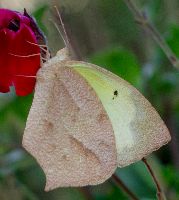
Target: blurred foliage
[[120, 62], [102, 32]]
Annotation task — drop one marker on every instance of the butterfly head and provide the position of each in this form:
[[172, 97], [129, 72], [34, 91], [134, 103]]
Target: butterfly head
[[63, 54]]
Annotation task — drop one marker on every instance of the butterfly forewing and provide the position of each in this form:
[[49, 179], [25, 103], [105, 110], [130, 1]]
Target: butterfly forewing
[[137, 126], [68, 130]]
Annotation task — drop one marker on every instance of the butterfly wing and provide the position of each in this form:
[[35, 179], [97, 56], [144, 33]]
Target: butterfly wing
[[68, 130], [138, 128]]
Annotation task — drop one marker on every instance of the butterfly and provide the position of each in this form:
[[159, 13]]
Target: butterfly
[[85, 122]]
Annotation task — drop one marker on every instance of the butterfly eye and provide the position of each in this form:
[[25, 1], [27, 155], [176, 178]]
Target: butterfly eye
[[14, 25]]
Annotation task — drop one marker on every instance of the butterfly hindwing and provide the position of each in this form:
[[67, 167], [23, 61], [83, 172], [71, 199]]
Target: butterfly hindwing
[[68, 130]]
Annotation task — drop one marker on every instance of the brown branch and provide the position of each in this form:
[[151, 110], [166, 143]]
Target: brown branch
[[86, 193], [124, 187], [160, 194], [142, 19]]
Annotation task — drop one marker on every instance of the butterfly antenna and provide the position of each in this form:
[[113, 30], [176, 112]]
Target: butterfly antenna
[[67, 42], [56, 26]]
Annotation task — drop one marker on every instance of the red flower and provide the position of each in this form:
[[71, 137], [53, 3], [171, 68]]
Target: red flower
[[19, 56]]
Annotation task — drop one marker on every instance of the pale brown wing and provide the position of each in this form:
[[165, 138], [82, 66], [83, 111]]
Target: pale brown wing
[[68, 130]]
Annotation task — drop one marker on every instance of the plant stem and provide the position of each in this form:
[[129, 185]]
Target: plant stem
[[86, 193], [124, 187], [160, 194], [142, 19]]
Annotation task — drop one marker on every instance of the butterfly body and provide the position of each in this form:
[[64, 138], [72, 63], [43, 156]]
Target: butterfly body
[[85, 121]]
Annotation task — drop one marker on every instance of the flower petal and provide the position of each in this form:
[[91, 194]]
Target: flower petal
[[25, 61], [19, 53]]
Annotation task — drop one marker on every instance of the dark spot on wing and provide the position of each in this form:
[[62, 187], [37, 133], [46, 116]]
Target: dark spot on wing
[[48, 125], [115, 94], [101, 117]]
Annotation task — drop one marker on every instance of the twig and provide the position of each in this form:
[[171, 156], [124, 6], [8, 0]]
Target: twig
[[160, 194], [86, 193], [142, 19], [124, 187]]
